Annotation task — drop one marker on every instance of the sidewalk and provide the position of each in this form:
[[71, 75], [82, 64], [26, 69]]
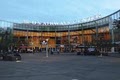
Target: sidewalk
[[115, 54]]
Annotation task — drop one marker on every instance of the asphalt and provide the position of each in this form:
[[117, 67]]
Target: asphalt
[[63, 66]]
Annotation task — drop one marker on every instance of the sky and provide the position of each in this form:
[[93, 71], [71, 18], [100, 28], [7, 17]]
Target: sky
[[55, 10]]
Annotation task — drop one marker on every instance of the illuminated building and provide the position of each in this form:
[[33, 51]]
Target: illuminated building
[[65, 36]]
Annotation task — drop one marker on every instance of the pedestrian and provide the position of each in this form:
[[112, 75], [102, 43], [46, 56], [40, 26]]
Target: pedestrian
[[58, 51]]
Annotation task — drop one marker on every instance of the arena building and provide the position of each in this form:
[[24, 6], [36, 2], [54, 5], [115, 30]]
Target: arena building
[[102, 33]]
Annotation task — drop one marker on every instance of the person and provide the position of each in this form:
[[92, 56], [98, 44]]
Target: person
[[15, 50], [58, 51], [51, 51]]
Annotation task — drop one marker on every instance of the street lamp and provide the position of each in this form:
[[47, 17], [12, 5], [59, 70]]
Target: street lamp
[[46, 43], [32, 47], [46, 47]]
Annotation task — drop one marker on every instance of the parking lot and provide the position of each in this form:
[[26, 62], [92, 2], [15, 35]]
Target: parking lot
[[65, 66]]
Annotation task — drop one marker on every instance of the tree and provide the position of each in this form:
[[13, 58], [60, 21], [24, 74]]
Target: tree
[[6, 40]]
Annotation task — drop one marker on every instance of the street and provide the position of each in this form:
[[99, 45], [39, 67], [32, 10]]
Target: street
[[64, 66]]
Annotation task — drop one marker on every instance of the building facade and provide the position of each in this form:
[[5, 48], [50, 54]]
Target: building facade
[[100, 32]]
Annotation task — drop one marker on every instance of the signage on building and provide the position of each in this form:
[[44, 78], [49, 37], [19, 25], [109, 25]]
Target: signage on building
[[95, 17]]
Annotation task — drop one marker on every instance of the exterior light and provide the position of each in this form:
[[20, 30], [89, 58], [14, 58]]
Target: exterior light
[[47, 39], [46, 43]]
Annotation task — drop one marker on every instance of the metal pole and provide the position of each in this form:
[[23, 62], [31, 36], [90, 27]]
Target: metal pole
[[82, 36], [46, 42], [112, 33], [69, 38], [47, 50], [96, 34], [55, 39]]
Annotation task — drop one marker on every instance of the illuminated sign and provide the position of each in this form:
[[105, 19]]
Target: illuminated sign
[[91, 18]]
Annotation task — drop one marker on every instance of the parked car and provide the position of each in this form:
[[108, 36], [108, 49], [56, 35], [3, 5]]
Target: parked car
[[29, 50], [85, 50], [11, 56], [1, 56], [91, 51], [80, 50]]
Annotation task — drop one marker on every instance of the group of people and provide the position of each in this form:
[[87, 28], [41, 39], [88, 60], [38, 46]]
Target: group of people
[[52, 51]]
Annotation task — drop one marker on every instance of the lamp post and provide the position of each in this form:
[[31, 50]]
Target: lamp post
[[46, 47], [46, 43], [32, 48]]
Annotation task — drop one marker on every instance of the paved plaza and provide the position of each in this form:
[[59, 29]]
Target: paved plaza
[[63, 66]]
